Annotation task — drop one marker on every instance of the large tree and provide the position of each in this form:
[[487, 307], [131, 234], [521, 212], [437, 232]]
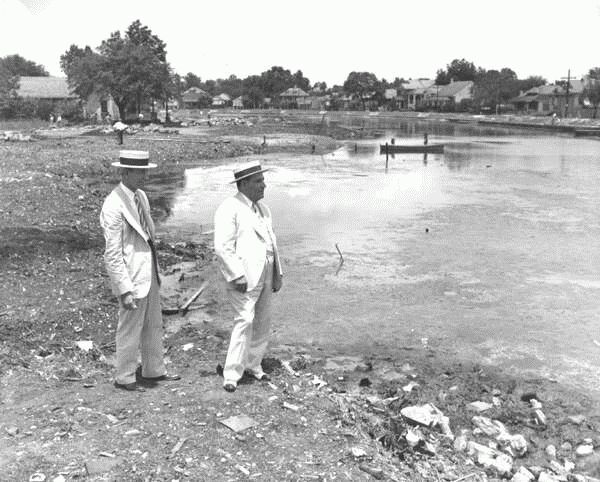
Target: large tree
[[492, 87], [531, 82], [362, 85], [458, 69], [131, 68], [8, 89], [19, 66], [592, 89]]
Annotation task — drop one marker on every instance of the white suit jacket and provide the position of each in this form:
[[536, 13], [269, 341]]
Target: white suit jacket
[[128, 256], [240, 240]]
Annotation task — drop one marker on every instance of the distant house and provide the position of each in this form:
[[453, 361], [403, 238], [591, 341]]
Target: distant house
[[452, 94], [294, 98], [195, 98], [413, 93], [546, 99], [45, 88], [221, 100], [238, 102]]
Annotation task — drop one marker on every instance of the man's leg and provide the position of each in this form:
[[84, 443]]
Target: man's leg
[[152, 335], [261, 328], [241, 334], [129, 330]]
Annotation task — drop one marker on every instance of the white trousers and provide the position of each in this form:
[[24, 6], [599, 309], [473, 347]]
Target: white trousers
[[141, 329], [252, 326]]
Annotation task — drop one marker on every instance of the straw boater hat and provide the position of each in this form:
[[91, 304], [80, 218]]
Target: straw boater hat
[[247, 170], [134, 160]]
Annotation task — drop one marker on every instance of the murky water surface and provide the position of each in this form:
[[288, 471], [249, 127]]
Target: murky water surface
[[490, 251]]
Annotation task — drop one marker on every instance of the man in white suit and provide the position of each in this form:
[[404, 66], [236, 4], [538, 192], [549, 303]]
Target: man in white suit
[[246, 247], [132, 267]]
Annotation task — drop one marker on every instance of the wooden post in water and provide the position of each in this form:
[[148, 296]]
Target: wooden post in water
[[425, 139], [387, 155]]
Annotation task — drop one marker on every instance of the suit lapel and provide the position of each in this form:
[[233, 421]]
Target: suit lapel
[[130, 213], [258, 226]]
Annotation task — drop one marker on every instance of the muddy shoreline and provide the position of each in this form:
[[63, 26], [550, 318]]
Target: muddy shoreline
[[56, 294]]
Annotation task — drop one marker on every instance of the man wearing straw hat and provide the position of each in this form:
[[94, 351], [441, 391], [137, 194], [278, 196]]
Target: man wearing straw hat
[[246, 247], [132, 267]]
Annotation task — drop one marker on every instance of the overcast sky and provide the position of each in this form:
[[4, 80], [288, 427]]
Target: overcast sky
[[326, 39]]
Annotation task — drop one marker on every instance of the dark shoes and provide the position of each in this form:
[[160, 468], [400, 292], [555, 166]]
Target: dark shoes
[[230, 387], [162, 378], [261, 376], [130, 387]]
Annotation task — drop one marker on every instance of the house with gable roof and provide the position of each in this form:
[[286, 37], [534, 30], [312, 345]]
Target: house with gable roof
[[547, 99], [294, 98], [195, 98], [413, 93], [442, 97]]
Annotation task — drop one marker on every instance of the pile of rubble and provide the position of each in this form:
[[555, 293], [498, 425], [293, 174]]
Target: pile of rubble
[[15, 136], [475, 434], [217, 121]]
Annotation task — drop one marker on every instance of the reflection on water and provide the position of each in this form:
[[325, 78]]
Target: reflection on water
[[464, 248]]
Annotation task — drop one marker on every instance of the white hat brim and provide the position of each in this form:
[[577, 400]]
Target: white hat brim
[[150, 165], [250, 174]]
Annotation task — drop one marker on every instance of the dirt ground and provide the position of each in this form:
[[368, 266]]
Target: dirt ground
[[324, 416]]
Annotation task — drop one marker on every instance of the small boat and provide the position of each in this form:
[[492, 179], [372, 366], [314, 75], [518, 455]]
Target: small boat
[[587, 132], [416, 148]]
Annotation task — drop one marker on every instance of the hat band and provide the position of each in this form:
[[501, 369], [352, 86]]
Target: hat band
[[247, 172], [133, 162]]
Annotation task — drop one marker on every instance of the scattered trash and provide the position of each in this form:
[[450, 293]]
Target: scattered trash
[[107, 454], [318, 382], [408, 388], [85, 345], [358, 452], [291, 406], [290, 370], [540, 418], [479, 406], [522, 475], [375, 472], [12, 431], [551, 451], [577, 419], [243, 470], [583, 450], [535, 404], [491, 458], [187, 346], [37, 477], [177, 447], [239, 423]]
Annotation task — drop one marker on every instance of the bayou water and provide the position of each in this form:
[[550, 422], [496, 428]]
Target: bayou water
[[488, 252]]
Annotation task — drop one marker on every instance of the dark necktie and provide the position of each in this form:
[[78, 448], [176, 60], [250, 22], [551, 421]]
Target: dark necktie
[[144, 224], [141, 213]]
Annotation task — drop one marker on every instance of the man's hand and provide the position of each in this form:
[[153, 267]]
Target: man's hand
[[128, 301], [277, 283], [240, 284]]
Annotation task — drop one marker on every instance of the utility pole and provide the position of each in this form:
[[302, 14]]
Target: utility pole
[[567, 93]]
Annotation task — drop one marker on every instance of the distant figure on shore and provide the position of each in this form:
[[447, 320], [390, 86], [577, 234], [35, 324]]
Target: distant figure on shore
[[246, 248], [132, 267], [555, 119], [58, 120], [51, 120]]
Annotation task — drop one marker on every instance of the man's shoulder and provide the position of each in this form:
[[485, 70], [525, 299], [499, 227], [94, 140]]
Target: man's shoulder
[[230, 203], [113, 200]]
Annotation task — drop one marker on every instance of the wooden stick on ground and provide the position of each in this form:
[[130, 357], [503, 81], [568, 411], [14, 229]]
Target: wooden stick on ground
[[341, 259], [186, 305]]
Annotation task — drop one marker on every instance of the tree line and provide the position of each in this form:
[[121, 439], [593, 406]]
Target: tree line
[[133, 69]]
